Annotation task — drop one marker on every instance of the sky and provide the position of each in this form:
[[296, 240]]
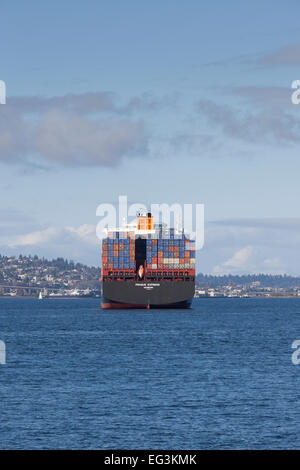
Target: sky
[[162, 101]]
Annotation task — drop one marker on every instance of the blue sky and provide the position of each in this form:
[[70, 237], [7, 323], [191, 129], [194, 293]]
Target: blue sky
[[164, 101]]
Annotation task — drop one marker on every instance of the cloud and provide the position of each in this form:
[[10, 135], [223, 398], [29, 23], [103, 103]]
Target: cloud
[[73, 140], [237, 263], [85, 103], [77, 243], [239, 258], [286, 55], [267, 126], [271, 235], [92, 103], [34, 238], [85, 233], [148, 102], [91, 129], [275, 246], [69, 139], [265, 96], [14, 134]]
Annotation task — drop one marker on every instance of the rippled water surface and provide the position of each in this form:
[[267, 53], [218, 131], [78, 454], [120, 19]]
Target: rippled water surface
[[216, 376]]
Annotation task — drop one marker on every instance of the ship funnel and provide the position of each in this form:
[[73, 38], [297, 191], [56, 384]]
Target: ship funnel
[[145, 221]]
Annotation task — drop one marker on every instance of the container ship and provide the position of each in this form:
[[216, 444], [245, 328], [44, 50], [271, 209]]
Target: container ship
[[147, 265]]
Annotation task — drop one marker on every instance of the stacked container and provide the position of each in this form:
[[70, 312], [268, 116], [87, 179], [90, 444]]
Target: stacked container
[[152, 253], [165, 251], [173, 252], [118, 251]]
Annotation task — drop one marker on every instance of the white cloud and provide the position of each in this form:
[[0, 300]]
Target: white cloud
[[238, 262], [85, 233], [239, 259], [34, 238], [275, 244], [77, 243]]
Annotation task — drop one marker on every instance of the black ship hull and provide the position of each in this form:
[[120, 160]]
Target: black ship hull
[[147, 294]]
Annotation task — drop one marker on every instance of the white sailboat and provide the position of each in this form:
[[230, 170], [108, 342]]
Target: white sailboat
[[40, 296]]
